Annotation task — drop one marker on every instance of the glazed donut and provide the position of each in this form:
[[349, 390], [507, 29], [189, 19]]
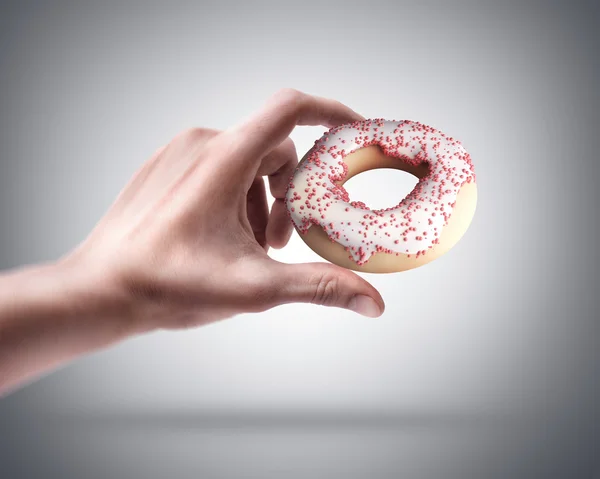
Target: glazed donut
[[424, 225]]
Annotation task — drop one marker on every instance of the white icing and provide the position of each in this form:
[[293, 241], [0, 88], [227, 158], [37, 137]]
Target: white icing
[[420, 217]]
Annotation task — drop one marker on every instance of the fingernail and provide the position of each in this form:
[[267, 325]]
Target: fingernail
[[364, 305]]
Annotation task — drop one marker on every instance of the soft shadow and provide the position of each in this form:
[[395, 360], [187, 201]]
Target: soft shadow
[[273, 420]]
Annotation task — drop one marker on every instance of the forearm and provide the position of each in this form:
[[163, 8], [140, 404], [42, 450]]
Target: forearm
[[52, 313]]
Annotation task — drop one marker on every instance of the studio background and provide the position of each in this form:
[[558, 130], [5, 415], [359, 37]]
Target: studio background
[[485, 363]]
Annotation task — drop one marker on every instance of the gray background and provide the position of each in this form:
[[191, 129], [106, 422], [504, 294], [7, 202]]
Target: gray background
[[485, 363]]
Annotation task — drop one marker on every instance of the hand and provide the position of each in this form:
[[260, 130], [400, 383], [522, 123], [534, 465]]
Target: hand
[[184, 244], [187, 238]]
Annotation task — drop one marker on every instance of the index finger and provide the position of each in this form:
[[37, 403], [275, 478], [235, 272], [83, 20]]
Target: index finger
[[273, 123]]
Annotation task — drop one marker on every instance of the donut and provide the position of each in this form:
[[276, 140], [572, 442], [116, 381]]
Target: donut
[[425, 224]]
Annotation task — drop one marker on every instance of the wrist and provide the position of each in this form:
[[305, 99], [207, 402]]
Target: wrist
[[91, 292]]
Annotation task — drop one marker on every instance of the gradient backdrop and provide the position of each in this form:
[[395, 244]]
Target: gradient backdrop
[[485, 364]]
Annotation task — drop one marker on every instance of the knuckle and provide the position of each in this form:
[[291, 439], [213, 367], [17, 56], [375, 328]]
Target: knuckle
[[194, 135], [285, 159], [327, 290], [191, 133], [289, 97], [289, 145]]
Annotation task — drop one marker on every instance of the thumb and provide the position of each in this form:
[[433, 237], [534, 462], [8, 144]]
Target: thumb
[[327, 285]]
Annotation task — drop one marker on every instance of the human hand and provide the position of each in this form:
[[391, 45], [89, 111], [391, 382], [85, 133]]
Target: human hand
[[186, 240]]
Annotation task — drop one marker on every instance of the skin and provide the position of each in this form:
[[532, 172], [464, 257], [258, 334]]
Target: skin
[[184, 244]]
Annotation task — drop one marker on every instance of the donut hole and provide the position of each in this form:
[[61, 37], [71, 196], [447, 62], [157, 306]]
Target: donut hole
[[380, 188], [380, 181]]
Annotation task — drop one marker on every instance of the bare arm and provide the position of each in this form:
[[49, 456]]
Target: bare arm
[[52, 313]]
